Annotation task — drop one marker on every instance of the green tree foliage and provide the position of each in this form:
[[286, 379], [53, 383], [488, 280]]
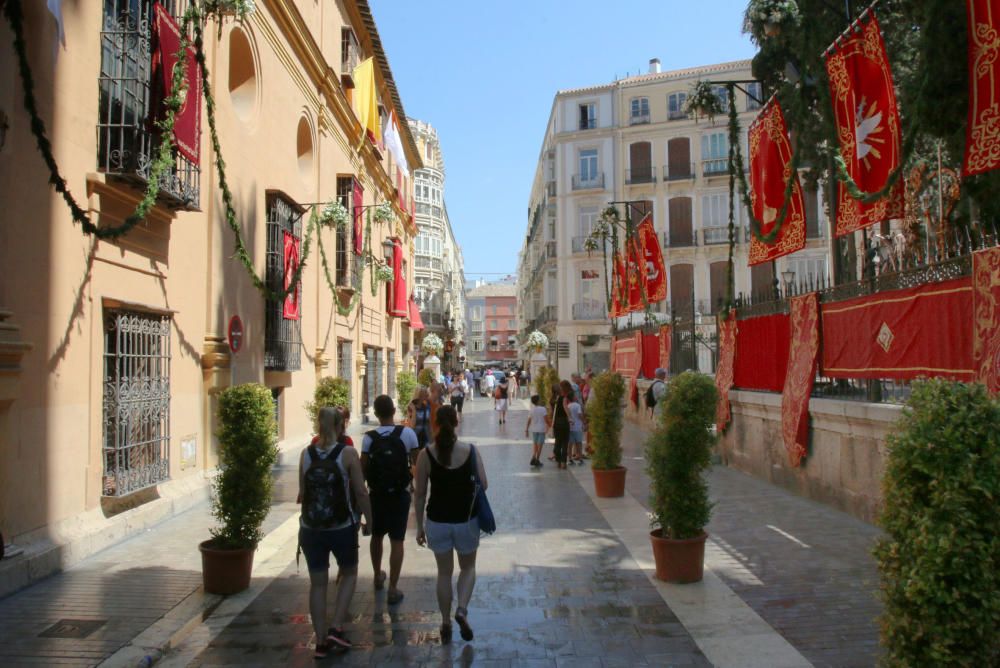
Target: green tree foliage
[[426, 377], [546, 379], [677, 454], [247, 453], [330, 391], [605, 415], [406, 384], [940, 561]]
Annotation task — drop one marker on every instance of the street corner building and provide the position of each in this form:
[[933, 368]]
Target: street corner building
[[114, 347]]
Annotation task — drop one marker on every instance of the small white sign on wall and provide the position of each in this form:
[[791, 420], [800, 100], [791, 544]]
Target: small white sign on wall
[[189, 452]]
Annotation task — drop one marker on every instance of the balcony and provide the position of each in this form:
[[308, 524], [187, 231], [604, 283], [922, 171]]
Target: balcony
[[639, 119], [590, 310], [715, 167], [684, 172], [349, 57], [423, 262], [640, 175], [550, 189], [588, 181], [580, 245], [679, 243], [588, 123], [718, 235], [550, 250], [546, 315], [677, 115]]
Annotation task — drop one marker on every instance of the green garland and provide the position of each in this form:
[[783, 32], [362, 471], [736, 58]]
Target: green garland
[[732, 205], [163, 160], [342, 310]]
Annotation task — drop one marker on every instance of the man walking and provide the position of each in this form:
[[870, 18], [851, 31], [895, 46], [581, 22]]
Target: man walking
[[469, 384], [387, 453]]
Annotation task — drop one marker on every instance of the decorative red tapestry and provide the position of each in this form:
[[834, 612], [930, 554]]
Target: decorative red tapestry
[[804, 317], [291, 310], [627, 361], [762, 353], [666, 339], [635, 275], [359, 209], [650, 354], [770, 170], [867, 119], [618, 284], [165, 45], [982, 132], [397, 295], [655, 272], [724, 372], [901, 334], [986, 326]]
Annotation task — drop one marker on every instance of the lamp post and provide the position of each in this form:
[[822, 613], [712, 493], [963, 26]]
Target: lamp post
[[788, 277]]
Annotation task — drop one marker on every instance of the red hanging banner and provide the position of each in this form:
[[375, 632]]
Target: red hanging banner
[[165, 45], [770, 170], [397, 294], [618, 286], [804, 318], [666, 338], [867, 120], [359, 209], [724, 372], [762, 353], [986, 323], [635, 275], [982, 132], [652, 254], [291, 308]]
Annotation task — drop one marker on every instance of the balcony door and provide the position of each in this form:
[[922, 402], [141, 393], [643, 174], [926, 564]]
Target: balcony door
[[681, 229], [588, 165], [762, 279], [682, 288], [640, 162], [679, 158], [718, 273]]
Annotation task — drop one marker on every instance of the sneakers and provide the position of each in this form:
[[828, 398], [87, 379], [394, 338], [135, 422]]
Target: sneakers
[[322, 649], [336, 639], [535, 464]]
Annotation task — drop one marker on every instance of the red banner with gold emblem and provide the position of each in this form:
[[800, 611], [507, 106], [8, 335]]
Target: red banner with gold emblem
[[982, 133], [770, 170], [724, 372], [634, 274], [618, 286], [986, 324], [165, 47], [655, 272], [867, 120], [804, 319]]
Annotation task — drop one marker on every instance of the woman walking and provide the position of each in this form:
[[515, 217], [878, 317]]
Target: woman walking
[[502, 396], [448, 468], [560, 422], [418, 416]]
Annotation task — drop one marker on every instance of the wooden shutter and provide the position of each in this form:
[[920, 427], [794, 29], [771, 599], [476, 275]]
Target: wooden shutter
[[679, 158], [813, 230], [717, 279], [762, 279], [640, 162], [681, 231], [681, 287]]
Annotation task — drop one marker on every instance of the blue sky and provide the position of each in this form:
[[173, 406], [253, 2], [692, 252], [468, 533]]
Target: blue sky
[[483, 73]]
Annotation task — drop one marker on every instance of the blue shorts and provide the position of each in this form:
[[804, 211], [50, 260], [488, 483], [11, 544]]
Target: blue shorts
[[317, 544], [390, 513], [575, 436], [538, 437]]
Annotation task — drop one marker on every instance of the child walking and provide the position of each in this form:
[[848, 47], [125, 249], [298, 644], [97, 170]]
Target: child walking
[[538, 425]]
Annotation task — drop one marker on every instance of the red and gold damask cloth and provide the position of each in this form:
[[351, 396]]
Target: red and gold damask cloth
[[724, 372], [396, 293], [867, 120], [804, 320], [164, 47], [666, 339], [619, 285], [770, 170], [634, 275], [901, 334], [626, 359], [982, 133], [762, 353], [986, 311], [655, 272], [291, 309], [359, 210]]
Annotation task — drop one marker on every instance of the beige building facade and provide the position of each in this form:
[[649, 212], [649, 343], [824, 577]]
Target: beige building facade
[[112, 351]]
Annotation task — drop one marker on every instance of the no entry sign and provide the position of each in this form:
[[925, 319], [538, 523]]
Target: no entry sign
[[235, 333]]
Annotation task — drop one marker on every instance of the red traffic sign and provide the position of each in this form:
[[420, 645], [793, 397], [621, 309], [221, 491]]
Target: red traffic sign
[[235, 334]]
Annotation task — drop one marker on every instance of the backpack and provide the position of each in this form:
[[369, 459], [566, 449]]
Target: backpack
[[650, 397], [388, 470], [325, 503]]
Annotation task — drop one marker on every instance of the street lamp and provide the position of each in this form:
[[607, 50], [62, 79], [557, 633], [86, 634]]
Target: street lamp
[[387, 248], [787, 277]]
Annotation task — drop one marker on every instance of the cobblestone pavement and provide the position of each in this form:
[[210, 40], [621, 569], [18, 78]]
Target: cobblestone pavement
[[555, 588], [804, 567]]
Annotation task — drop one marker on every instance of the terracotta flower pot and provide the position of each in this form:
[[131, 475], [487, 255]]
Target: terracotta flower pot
[[679, 561], [225, 571], [610, 483]]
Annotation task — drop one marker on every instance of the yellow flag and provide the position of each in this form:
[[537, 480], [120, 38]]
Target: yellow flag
[[365, 98]]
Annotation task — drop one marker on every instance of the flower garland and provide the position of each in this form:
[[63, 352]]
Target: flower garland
[[335, 215], [383, 212], [355, 284], [765, 18]]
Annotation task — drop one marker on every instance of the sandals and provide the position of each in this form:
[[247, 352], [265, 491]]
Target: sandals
[[446, 634], [380, 581], [336, 640], [394, 597], [461, 615]]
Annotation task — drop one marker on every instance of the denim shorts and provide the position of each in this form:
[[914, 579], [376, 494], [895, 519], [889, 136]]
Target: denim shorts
[[390, 513], [317, 544], [575, 436], [538, 437], [444, 537]]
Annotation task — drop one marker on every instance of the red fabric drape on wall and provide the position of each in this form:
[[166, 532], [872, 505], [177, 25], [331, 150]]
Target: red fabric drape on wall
[[627, 361], [982, 146], [724, 372], [291, 308], [986, 324], [165, 44], [359, 198], [397, 295], [802, 354], [650, 354], [762, 353], [416, 323], [666, 339], [901, 334]]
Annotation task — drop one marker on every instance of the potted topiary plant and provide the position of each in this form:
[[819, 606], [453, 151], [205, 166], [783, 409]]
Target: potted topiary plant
[[605, 416], [406, 384], [330, 391], [241, 495], [677, 454], [940, 558], [426, 377]]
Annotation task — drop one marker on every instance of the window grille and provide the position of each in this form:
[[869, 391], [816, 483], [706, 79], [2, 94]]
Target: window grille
[[344, 354], [379, 366], [136, 421], [282, 342], [369, 378], [391, 377], [126, 136], [345, 193]]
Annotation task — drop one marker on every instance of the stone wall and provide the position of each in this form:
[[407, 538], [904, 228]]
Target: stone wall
[[846, 448]]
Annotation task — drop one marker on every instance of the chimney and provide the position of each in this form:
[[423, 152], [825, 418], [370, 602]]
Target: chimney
[[654, 65]]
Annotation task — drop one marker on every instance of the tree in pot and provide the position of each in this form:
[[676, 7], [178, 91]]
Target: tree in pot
[[242, 491], [677, 454], [406, 385], [330, 391], [605, 416]]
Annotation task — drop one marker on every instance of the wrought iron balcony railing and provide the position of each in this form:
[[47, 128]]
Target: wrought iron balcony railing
[[590, 310], [685, 242], [715, 167], [640, 175], [684, 172], [588, 181], [718, 235], [639, 119]]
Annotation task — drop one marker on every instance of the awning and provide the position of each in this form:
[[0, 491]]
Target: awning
[[416, 323]]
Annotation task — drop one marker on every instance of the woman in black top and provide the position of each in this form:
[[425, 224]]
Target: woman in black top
[[447, 467], [560, 422]]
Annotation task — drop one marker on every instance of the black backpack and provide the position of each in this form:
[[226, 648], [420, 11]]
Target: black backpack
[[650, 397], [325, 503], [388, 470]]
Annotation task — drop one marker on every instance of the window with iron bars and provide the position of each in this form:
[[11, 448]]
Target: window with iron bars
[[391, 376], [345, 193], [344, 354], [126, 135], [282, 337], [136, 421]]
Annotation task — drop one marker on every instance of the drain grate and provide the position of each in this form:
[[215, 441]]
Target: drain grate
[[72, 628]]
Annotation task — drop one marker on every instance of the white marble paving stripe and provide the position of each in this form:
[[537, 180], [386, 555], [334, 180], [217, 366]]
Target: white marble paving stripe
[[728, 632]]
